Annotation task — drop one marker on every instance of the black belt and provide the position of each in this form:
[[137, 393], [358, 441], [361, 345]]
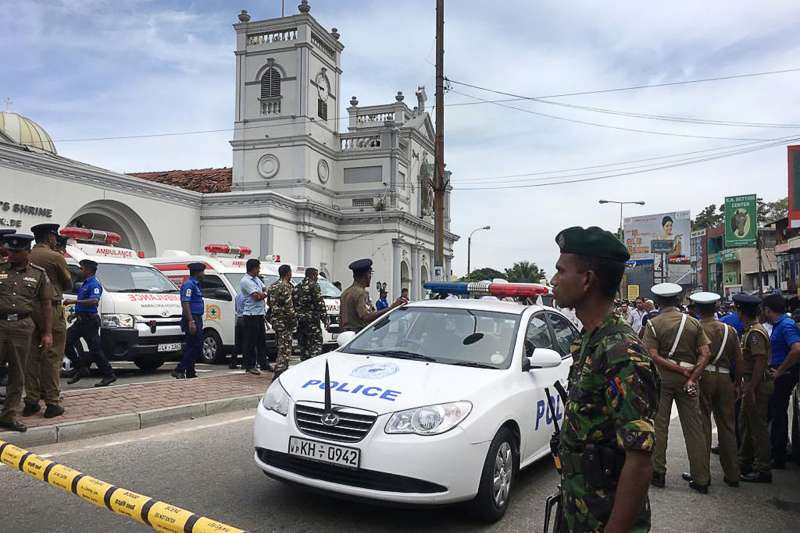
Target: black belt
[[13, 317]]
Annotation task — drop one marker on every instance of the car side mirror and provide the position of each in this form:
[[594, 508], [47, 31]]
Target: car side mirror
[[544, 358], [345, 337]]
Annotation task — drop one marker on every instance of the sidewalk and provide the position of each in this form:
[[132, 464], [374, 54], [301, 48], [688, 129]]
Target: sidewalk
[[100, 411]]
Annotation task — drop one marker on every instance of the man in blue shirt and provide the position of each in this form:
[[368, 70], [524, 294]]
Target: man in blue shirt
[[785, 343], [382, 302], [254, 332], [191, 322], [87, 326], [238, 308], [732, 319]]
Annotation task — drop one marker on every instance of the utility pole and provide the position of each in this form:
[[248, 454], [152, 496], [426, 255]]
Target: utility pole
[[760, 264], [439, 184]]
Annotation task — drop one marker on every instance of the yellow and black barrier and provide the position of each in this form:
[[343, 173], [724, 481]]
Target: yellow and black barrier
[[158, 515]]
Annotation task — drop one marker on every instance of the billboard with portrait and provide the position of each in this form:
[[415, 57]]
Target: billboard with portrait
[[740, 221], [662, 235]]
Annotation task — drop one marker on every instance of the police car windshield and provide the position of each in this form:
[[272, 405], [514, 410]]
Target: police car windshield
[[482, 339], [133, 278]]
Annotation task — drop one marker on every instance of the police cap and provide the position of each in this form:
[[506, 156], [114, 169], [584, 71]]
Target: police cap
[[592, 242], [362, 265], [4, 232], [666, 290], [88, 263], [17, 241], [44, 229], [743, 298], [705, 298], [197, 267]]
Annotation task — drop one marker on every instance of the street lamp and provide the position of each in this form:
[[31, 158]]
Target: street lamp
[[469, 245], [622, 236]]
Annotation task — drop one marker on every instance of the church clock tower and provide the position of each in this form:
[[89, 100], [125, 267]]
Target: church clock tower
[[287, 100]]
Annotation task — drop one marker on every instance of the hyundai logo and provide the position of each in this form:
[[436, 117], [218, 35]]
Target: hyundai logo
[[329, 419]]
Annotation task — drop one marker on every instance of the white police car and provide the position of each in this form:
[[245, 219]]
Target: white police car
[[439, 401]]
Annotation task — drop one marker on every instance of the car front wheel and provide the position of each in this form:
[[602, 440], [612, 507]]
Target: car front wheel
[[212, 347], [498, 476]]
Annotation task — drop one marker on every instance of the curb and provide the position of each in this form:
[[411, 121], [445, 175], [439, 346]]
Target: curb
[[95, 427]]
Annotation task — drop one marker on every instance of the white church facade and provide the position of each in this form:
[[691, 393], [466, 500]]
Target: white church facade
[[298, 187]]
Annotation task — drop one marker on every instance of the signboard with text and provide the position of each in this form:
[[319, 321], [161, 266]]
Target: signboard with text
[[741, 222], [794, 185]]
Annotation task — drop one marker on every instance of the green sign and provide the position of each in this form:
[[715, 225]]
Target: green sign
[[740, 221]]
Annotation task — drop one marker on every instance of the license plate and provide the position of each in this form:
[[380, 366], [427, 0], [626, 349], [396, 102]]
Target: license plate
[[325, 453], [172, 347]]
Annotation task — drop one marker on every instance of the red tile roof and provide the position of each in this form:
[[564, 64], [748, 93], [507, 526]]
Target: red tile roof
[[199, 180]]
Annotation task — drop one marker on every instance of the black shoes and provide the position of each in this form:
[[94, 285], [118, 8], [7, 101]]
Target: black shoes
[[715, 450], [757, 477], [254, 371], [76, 377], [30, 409], [53, 411], [702, 489], [13, 425], [106, 381], [178, 375], [734, 484], [686, 476], [659, 480]]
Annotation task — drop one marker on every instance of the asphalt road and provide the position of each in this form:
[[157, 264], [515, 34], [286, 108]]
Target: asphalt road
[[206, 466]]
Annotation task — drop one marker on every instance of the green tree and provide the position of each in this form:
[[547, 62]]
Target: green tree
[[525, 272], [771, 211], [709, 217], [483, 274]]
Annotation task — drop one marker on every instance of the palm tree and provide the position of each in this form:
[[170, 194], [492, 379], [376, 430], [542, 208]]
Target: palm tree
[[525, 272]]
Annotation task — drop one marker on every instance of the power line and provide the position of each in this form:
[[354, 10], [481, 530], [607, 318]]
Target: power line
[[669, 118], [668, 84], [608, 126], [619, 174]]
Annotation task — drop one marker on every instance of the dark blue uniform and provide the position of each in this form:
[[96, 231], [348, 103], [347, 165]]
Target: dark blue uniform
[[193, 295], [87, 327]]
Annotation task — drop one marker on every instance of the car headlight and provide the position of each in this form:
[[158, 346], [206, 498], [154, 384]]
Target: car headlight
[[429, 420], [117, 321], [276, 399]]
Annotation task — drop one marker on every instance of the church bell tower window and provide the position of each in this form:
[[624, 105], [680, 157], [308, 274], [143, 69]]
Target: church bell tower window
[[271, 92]]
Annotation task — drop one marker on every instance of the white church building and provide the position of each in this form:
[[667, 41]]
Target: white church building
[[298, 187]]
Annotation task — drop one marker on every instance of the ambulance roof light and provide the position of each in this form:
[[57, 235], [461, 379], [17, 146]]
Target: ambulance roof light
[[488, 288], [240, 251], [91, 235], [274, 258]]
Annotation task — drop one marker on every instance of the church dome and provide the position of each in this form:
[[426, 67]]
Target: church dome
[[24, 131]]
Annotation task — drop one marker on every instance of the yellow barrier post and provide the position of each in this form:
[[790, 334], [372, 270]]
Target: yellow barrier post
[[159, 515]]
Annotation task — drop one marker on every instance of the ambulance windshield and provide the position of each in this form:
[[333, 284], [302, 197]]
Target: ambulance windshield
[[133, 278]]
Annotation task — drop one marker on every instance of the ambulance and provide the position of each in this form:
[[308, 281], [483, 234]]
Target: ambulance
[[140, 309], [225, 266]]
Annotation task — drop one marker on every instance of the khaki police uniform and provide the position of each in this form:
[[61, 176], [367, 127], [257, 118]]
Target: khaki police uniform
[[21, 289], [718, 395], [354, 307], [43, 368], [660, 335], [754, 449]]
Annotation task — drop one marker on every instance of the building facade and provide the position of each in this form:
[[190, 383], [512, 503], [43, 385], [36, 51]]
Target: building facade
[[299, 187]]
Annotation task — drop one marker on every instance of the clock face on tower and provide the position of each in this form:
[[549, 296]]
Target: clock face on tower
[[322, 86]]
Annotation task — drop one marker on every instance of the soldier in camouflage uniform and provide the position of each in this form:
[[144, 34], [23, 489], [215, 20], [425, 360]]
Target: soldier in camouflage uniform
[[311, 311], [608, 433], [282, 317]]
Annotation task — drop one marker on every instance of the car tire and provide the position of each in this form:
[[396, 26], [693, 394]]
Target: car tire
[[212, 351], [502, 463], [148, 364]]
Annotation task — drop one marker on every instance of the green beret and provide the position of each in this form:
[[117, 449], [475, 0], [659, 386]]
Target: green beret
[[592, 242]]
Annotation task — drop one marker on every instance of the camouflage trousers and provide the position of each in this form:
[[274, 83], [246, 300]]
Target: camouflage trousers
[[283, 343], [309, 339], [585, 508]]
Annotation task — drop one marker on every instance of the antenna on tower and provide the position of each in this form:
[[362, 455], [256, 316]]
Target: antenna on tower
[[8, 103], [283, 8]]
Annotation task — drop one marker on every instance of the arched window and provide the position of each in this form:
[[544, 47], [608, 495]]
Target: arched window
[[271, 83]]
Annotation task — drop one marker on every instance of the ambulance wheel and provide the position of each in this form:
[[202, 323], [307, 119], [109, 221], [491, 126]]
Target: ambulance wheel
[[212, 348], [148, 364], [497, 480]]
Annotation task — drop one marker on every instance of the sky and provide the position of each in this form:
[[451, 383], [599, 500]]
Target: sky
[[107, 68]]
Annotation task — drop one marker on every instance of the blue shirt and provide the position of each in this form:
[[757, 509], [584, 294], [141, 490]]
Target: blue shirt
[[784, 334], [90, 290], [732, 319], [381, 304], [239, 305], [193, 295], [247, 286]]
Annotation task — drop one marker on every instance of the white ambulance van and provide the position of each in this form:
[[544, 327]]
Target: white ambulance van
[[225, 266], [140, 310]]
